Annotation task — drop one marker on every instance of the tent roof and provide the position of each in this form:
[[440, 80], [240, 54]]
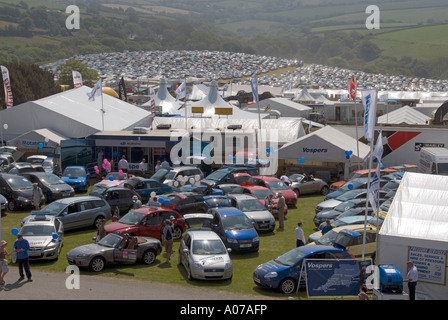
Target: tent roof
[[326, 144], [304, 95], [418, 210], [72, 115], [165, 100], [405, 115], [284, 103]]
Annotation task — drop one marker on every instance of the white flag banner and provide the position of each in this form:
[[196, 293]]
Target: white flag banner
[[7, 87], [181, 91], [254, 85], [96, 91], [373, 189], [378, 150], [369, 98], [77, 79]]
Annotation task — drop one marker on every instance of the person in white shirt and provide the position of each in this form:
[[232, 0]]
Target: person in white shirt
[[141, 167], [300, 235], [123, 164], [165, 164], [411, 279]]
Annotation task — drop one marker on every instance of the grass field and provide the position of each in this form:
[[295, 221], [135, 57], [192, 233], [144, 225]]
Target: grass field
[[272, 244]]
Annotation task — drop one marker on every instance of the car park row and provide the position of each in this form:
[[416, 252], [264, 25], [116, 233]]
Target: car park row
[[229, 205]]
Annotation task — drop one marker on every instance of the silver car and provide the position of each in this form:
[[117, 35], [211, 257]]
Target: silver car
[[202, 252], [254, 209], [304, 184], [45, 236], [77, 212], [115, 249]]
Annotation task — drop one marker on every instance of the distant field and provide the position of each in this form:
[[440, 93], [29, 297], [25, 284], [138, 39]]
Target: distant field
[[7, 23]]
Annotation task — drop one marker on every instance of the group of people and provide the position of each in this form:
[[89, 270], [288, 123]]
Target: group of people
[[21, 248]]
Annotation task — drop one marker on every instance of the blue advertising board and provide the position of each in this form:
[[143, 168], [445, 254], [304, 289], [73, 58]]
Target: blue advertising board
[[332, 277]]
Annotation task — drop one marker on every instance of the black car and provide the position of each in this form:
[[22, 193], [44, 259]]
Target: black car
[[22, 167], [52, 186], [17, 190], [191, 202], [119, 198]]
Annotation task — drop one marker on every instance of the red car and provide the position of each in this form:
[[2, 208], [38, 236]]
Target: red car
[[243, 178], [276, 185], [147, 222], [262, 193]]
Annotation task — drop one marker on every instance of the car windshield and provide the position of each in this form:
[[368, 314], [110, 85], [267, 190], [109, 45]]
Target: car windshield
[[277, 185], [217, 175], [296, 177], [42, 230], [51, 179], [98, 189], [47, 164], [206, 247], [236, 222], [352, 184], [74, 172], [291, 257], [231, 189], [19, 183], [170, 175], [351, 212], [349, 195], [251, 205], [242, 179], [262, 194], [327, 239], [132, 218], [54, 208], [116, 176], [160, 174], [111, 241], [442, 168], [217, 202], [344, 206]]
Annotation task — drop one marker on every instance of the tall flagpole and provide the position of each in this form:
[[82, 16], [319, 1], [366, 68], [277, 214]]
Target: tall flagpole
[[102, 104], [185, 106]]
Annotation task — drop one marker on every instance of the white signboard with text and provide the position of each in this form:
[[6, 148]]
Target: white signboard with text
[[430, 263]]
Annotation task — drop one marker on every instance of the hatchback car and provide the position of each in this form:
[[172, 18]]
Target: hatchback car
[[276, 185], [22, 167], [306, 184], [45, 236], [235, 229], [144, 187], [147, 222], [119, 198], [191, 202], [262, 194], [188, 174], [52, 186], [77, 212], [284, 272], [225, 175], [203, 254], [48, 163], [17, 190], [254, 210], [77, 177]]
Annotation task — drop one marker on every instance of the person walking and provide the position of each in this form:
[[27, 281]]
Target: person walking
[[21, 246], [281, 211], [37, 196], [101, 233], [167, 238], [3, 262], [327, 227], [141, 167], [300, 235], [158, 165], [411, 279], [123, 164]]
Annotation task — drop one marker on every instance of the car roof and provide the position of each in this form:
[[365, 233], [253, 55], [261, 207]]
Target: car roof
[[77, 199], [203, 234], [267, 178], [249, 187], [228, 211], [241, 196], [309, 249], [149, 210], [40, 219], [75, 167], [354, 227], [183, 168]]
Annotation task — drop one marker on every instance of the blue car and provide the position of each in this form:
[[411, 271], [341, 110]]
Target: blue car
[[77, 177], [144, 187], [235, 229], [283, 272]]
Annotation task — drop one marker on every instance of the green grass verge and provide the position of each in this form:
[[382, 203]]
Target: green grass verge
[[272, 244]]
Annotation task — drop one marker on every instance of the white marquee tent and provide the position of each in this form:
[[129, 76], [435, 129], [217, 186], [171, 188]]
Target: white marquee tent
[[404, 115], [165, 100], [286, 107], [415, 229], [71, 114]]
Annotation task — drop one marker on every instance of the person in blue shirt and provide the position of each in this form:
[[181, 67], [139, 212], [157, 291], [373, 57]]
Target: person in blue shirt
[[22, 246], [327, 227]]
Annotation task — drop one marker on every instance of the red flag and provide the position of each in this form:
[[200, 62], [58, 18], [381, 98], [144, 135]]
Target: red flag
[[352, 89]]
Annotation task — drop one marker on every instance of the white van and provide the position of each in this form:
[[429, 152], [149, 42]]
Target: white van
[[433, 161]]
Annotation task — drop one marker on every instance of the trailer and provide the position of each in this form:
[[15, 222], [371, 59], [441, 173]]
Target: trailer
[[433, 161]]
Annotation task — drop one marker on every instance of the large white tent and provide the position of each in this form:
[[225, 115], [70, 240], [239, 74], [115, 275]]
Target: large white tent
[[415, 229], [163, 99], [285, 107], [404, 115], [72, 115]]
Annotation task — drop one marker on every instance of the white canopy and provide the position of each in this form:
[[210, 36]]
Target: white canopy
[[286, 107], [404, 115], [415, 229], [325, 145], [304, 95], [165, 100], [72, 115]]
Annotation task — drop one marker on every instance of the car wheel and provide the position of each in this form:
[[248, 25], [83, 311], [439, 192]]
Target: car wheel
[[12, 205], [177, 233], [149, 256], [324, 191], [97, 264], [288, 286], [297, 192], [97, 223]]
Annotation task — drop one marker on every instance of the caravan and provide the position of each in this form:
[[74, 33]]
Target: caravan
[[433, 161]]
